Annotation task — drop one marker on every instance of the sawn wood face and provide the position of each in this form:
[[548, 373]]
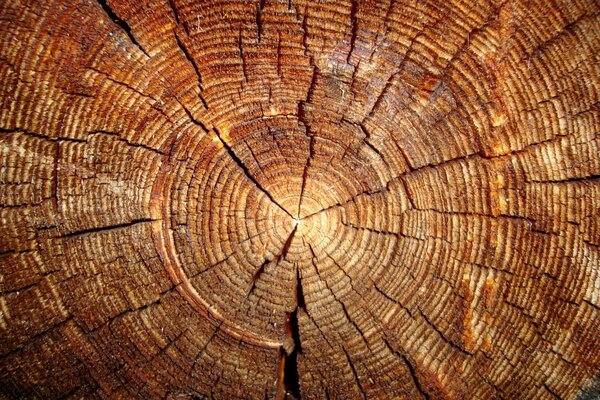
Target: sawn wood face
[[299, 199]]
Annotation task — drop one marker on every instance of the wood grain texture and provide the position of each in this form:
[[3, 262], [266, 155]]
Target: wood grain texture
[[294, 199]]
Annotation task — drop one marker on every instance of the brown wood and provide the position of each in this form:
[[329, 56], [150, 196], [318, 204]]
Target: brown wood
[[300, 199]]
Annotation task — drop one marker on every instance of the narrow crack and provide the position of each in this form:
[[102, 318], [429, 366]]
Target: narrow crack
[[172, 4], [367, 139], [189, 57], [372, 230], [311, 153], [40, 135], [354, 25], [127, 142], [124, 26], [247, 172], [226, 258], [356, 376], [352, 199], [259, 8], [135, 90], [279, 66], [411, 370], [241, 51], [105, 228], [443, 335]]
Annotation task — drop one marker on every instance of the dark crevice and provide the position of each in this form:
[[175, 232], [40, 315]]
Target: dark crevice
[[113, 16], [402, 152], [443, 335], [346, 314], [311, 153], [350, 200], [574, 179], [291, 377], [189, 57], [247, 172], [354, 25], [363, 228], [172, 4], [194, 120], [409, 194], [552, 392], [106, 228], [305, 33], [213, 335], [311, 147], [300, 302], [257, 276], [344, 309], [259, 7], [356, 378], [416, 381], [410, 368], [194, 64], [79, 93], [14, 252], [35, 338], [367, 138], [591, 304], [286, 245], [225, 258], [127, 142], [19, 289], [241, 51], [133, 89], [41, 136], [382, 94], [388, 297], [279, 69]]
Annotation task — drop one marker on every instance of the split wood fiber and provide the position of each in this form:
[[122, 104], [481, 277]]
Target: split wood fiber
[[300, 199]]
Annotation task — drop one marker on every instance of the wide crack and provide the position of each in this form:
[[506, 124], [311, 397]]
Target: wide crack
[[291, 377]]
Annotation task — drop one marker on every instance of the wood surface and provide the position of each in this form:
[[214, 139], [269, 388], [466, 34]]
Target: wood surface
[[300, 199]]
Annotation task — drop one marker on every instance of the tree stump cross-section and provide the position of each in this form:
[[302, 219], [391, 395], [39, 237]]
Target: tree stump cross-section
[[300, 199]]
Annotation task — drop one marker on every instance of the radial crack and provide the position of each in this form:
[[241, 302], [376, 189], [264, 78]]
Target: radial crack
[[286, 246], [411, 370], [189, 57], [311, 150], [257, 275], [443, 336], [105, 228], [356, 376], [281, 256], [354, 25], [126, 28], [247, 172], [291, 377], [175, 12], [241, 51], [259, 8], [127, 142]]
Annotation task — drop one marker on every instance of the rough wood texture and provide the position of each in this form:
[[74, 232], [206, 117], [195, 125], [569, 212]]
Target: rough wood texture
[[300, 199]]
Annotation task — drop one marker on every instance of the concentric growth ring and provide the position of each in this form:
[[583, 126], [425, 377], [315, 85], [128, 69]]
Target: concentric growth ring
[[299, 199]]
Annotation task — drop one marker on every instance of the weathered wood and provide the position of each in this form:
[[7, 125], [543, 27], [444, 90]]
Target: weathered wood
[[300, 199]]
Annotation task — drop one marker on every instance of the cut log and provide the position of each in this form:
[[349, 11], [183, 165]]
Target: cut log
[[294, 199]]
